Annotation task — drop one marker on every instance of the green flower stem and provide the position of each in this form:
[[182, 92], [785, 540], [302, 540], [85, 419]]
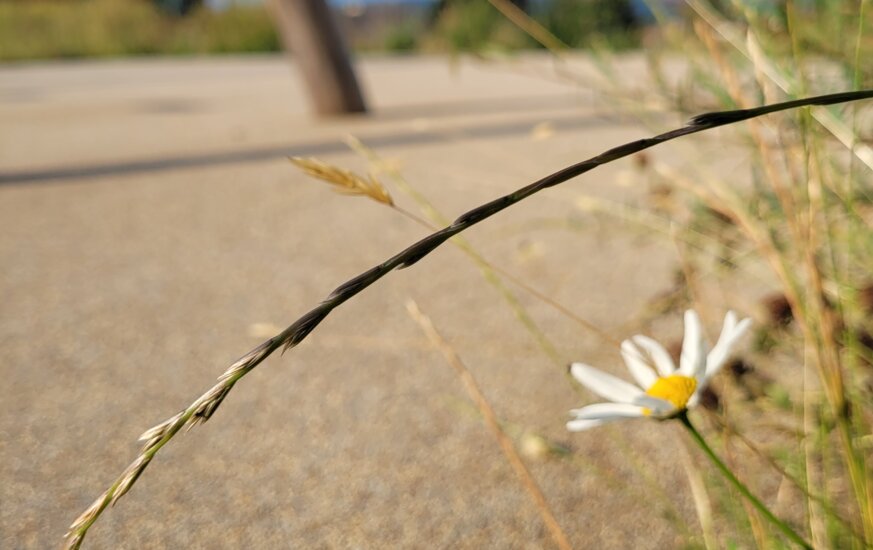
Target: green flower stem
[[722, 467]]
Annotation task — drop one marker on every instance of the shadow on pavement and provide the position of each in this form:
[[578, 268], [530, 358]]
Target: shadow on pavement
[[72, 173]]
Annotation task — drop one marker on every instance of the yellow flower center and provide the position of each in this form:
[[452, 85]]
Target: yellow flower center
[[676, 389]]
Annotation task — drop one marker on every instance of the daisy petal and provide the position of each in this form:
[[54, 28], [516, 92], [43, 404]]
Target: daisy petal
[[637, 365], [601, 413], [731, 332], [730, 321], [605, 385], [692, 362], [657, 407], [604, 410], [659, 355]]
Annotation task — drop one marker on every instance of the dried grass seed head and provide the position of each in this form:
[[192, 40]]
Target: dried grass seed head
[[344, 181]]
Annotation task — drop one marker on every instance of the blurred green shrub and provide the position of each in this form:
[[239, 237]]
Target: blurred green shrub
[[465, 25], [474, 25], [402, 38], [50, 29], [101, 28], [580, 23]]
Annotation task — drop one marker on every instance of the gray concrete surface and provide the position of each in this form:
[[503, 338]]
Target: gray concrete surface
[[151, 231]]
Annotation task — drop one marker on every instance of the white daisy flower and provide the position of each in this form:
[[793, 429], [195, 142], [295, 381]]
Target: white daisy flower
[[662, 390]]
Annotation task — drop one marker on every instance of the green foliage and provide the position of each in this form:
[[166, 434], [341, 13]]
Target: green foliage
[[582, 23], [473, 25], [105, 28], [403, 38]]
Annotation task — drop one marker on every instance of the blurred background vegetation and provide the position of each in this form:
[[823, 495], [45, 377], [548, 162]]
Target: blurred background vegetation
[[101, 28], [58, 29]]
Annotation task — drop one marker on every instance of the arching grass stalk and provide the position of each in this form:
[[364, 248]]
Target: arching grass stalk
[[739, 485], [205, 406]]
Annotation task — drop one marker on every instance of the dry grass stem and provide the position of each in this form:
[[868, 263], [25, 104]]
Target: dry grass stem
[[825, 118], [492, 422], [531, 26], [732, 79], [814, 511], [700, 495]]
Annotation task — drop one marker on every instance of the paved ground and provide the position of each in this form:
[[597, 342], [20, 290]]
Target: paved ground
[[151, 231]]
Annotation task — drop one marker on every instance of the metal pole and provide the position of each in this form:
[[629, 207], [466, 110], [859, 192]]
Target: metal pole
[[308, 29]]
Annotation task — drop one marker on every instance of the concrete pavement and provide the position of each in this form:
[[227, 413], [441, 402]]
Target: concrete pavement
[[151, 231]]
